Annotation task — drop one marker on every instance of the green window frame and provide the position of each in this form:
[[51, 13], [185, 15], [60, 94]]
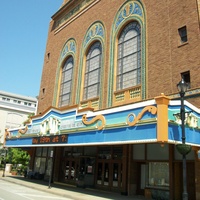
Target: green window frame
[[66, 82], [129, 57], [92, 71]]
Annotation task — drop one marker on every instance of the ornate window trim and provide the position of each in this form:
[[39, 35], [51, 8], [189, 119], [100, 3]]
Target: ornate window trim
[[130, 11], [66, 82], [92, 70], [96, 32], [69, 49]]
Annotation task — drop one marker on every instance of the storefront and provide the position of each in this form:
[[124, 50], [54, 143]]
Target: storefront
[[129, 149]]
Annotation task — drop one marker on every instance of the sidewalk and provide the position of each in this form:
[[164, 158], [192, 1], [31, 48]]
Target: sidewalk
[[67, 191]]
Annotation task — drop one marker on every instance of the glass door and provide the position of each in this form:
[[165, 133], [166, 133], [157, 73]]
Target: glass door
[[71, 167], [117, 175], [109, 167], [100, 173], [106, 173], [103, 173]]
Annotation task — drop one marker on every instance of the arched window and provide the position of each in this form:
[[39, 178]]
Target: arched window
[[129, 57], [66, 82], [92, 71]]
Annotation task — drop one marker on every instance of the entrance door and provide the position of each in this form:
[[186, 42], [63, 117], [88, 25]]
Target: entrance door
[[109, 174], [116, 175], [70, 170], [86, 172], [103, 172]]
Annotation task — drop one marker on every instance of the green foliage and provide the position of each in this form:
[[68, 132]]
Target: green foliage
[[2, 157], [17, 156]]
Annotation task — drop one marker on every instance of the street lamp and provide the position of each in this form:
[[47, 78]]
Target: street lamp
[[51, 164], [183, 148], [4, 154]]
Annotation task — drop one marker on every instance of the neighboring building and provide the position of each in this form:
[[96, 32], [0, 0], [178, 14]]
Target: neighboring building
[[109, 108], [14, 111]]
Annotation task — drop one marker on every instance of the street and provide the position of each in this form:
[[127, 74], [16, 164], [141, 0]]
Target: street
[[10, 191]]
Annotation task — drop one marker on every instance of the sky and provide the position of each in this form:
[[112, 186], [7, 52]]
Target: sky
[[23, 35]]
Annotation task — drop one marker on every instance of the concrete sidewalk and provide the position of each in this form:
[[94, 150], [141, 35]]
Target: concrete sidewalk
[[67, 191]]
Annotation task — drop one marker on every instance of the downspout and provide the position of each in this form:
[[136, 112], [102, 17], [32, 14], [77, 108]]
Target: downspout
[[198, 11]]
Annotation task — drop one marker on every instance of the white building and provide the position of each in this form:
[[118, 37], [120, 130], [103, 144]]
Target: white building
[[14, 110]]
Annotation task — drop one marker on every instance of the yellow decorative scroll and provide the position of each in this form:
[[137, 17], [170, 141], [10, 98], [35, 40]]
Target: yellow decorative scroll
[[20, 131], [23, 131], [7, 134], [151, 109], [95, 119]]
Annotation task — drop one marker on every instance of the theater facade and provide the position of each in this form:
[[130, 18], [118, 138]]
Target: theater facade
[[108, 113]]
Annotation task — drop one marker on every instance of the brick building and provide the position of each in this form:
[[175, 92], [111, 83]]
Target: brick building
[[109, 108]]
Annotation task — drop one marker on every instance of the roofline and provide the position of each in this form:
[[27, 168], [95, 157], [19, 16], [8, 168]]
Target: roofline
[[9, 94], [62, 8]]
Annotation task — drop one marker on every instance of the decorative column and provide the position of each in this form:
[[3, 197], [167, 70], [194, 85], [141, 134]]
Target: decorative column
[[162, 118]]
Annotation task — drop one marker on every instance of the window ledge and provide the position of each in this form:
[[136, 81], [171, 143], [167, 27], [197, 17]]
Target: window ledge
[[90, 103], [183, 44], [91, 99]]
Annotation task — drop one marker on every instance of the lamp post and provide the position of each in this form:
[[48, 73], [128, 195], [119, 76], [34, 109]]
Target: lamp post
[[183, 148], [51, 164], [5, 154]]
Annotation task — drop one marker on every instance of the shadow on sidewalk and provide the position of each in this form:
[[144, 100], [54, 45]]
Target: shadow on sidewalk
[[62, 189]]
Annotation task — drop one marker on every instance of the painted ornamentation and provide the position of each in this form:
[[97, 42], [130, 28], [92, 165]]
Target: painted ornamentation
[[95, 31], [132, 120], [21, 131], [130, 9], [50, 126], [70, 47], [7, 134], [190, 119], [99, 118]]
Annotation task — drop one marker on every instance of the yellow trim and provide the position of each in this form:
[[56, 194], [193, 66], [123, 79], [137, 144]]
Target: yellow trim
[[162, 120], [95, 119], [59, 82], [151, 109]]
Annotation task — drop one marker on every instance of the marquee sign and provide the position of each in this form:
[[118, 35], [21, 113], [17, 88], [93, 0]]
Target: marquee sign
[[143, 122], [56, 139]]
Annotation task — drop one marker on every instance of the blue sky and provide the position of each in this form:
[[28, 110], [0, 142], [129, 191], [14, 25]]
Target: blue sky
[[23, 35]]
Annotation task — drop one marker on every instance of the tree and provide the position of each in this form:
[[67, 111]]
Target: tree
[[17, 156]]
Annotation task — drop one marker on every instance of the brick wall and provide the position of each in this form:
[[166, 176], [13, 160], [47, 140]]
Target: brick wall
[[166, 58]]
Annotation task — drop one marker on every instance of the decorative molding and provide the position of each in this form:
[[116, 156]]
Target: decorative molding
[[72, 14], [7, 134], [129, 11], [95, 31], [190, 119], [96, 119], [187, 93], [23, 131], [132, 120], [50, 126], [69, 48]]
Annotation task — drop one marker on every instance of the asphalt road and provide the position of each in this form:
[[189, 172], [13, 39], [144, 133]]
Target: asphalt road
[[11, 191]]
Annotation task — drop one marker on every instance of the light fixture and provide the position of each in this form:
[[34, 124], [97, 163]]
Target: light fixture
[[182, 87]]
